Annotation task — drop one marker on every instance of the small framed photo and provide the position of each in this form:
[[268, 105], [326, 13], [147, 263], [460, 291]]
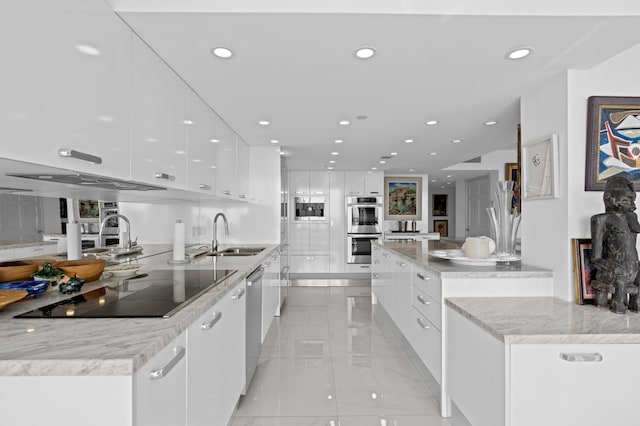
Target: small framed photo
[[613, 141], [583, 273], [540, 169], [441, 227], [512, 172], [439, 205]]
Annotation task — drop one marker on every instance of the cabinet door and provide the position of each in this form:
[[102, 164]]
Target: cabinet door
[[298, 182], [337, 219], [270, 292], [319, 237], [159, 121], [318, 183], [227, 164], [401, 275], [569, 382], [215, 375], [298, 237], [243, 169], [160, 387], [385, 290], [202, 152], [354, 183], [374, 183], [72, 91]]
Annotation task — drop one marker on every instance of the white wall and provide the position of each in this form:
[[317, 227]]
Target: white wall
[[561, 107]]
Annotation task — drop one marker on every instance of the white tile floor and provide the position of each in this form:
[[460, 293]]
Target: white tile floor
[[330, 360]]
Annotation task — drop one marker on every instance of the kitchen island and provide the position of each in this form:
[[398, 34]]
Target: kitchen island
[[97, 362], [411, 285], [541, 360]]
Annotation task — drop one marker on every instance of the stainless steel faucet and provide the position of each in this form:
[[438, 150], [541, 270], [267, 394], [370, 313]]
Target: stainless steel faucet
[[214, 243], [104, 221]]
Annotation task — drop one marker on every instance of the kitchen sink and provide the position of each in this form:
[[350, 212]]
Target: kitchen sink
[[237, 251]]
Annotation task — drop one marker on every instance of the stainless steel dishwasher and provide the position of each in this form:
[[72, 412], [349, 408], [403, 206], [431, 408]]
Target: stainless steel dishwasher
[[254, 323]]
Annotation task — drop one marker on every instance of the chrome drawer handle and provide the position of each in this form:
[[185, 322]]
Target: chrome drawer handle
[[423, 277], [242, 196], [581, 357], [308, 258], [422, 300], [226, 192], [402, 264], [165, 176], [422, 324], [209, 325], [238, 295], [205, 187], [65, 152], [159, 373]]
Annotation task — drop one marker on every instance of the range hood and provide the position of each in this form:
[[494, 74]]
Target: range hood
[[89, 181]]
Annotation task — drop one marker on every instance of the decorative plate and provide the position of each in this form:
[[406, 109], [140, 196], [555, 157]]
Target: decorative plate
[[32, 287], [122, 270]]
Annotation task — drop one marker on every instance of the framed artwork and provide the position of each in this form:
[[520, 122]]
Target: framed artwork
[[441, 227], [439, 205], [583, 273], [512, 172], [540, 169], [403, 198], [613, 141]]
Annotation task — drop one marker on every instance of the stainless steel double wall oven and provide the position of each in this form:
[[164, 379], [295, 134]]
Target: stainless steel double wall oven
[[364, 225]]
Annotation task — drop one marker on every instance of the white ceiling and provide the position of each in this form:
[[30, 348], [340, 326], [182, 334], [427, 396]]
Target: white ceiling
[[444, 62]]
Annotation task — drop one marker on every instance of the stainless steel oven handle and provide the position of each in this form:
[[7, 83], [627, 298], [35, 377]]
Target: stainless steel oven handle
[[159, 373], [209, 325]]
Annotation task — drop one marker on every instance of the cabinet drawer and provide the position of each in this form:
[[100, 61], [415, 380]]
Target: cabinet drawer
[[428, 281], [428, 307], [427, 342], [309, 263]]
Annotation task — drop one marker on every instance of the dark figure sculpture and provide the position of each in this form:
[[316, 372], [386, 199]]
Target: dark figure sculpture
[[614, 254]]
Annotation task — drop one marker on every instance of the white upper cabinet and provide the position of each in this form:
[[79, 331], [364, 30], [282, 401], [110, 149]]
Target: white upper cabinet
[[159, 121], [363, 183], [309, 182], [65, 85], [202, 160], [227, 185], [243, 168]]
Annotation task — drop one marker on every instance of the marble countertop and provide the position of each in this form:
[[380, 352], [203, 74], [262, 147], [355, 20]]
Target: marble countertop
[[20, 244], [547, 320], [418, 252], [63, 347]]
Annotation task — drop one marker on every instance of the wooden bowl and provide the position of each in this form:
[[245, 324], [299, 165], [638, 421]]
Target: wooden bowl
[[86, 269], [19, 270]]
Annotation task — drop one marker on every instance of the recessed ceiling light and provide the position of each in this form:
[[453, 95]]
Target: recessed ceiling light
[[335, 153], [196, 160], [263, 123], [212, 167], [382, 162], [332, 161], [394, 153], [88, 50], [330, 168], [214, 140], [448, 183], [433, 180], [374, 168], [152, 140], [408, 141], [490, 123], [274, 141], [410, 170], [456, 141], [344, 123], [520, 53], [283, 153], [433, 153], [187, 122], [442, 187], [180, 152], [338, 141], [365, 52], [222, 52], [449, 176], [431, 122]]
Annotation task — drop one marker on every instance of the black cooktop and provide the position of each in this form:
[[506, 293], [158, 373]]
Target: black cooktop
[[159, 295]]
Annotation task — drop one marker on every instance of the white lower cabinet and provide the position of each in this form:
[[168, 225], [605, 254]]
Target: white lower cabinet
[[498, 383], [310, 263], [160, 387], [215, 361], [270, 292]]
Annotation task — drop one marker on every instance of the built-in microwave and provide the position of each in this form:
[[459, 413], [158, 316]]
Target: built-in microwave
[[312, 208]]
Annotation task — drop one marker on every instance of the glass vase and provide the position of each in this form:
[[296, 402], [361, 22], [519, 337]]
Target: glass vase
[[504, 223]]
